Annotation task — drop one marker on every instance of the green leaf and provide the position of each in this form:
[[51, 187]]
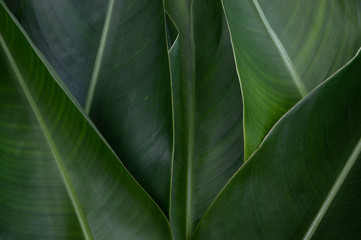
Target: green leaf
[[172, 32], [283, 49], [113, 57], [207, 111], [14, 6], [58, 178], [305, 178]]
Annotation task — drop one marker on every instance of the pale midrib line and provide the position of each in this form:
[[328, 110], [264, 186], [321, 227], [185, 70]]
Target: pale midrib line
[[173, 117], [190, 146], [334, 190], [68, 185], [99, 58], [286, 59]]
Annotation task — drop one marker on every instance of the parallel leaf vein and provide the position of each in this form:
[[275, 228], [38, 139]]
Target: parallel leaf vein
[[286, 59], [68, 185], [334, 190], [99, 57]]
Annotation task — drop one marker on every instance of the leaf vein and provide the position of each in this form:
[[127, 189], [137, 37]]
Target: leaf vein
[[67, 182], [99, 58], [286, 59]]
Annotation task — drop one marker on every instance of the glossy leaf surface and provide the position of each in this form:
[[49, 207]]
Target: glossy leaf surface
[[207, 111], [304, 180], [58, 178], [283, 49], [113, 57]]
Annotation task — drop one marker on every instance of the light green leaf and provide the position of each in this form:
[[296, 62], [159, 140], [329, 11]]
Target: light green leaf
[[58, 178], [207, 111], [304, 181], [283, 49], [113, 57]]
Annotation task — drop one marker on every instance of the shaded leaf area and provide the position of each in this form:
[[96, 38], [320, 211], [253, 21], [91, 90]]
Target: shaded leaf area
[[14, 6], [113, 57], [284, 49], [304, 180], [58, 178], [171, 30], [207, 111]]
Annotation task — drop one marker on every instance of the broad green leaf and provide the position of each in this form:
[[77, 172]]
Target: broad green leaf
[[58, 178], [113, 57], [283, 49], [305, 178], [207, 111]]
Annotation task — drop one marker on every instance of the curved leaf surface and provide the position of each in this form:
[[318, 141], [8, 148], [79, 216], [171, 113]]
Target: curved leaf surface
[[113, 57], [305, 179], [58, 178], [283, 49], [172, 32], [207, 111]]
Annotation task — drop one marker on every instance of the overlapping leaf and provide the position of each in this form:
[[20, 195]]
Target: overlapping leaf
[[113, 57], [57, 172], [58, 178], [283, 49], [305, 178], [208, 111]]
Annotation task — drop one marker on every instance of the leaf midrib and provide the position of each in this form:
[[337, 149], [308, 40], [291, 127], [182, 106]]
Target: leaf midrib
[[283, 53], [334, 190], [99, 57], [59, 162], [190, 137]]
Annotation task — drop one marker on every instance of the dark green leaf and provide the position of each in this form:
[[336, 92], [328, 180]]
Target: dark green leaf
[[172, 31], [283, 49], [207, 111], [58, 178], [14, 6], [305, 178], [113, 57]]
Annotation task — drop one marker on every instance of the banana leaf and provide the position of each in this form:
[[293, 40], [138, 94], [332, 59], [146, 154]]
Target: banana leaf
[[207, 111], [113, 57], [283, 49], [304, 181], [58, 177]]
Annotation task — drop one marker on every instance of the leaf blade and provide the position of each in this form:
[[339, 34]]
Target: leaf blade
[[281, 46], [35, 167], [316, 151], [113, 56], [208, 146], [334, 190], [68, 185]]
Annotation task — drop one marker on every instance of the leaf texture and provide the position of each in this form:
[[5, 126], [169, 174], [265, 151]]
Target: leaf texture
[[58, 178], [304, 179], [207, 111], [113, 57], [283, 49]]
